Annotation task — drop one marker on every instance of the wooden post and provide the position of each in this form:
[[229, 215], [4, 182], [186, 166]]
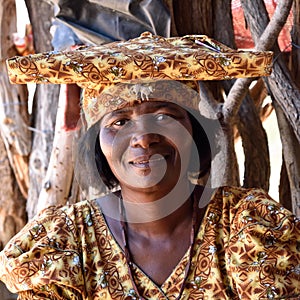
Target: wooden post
[[45, 106]]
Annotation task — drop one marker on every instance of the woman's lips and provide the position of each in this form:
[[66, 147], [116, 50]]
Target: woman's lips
[[146, 162]]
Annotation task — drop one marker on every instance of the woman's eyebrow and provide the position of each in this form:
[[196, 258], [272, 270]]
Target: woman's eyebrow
[[121, 111], [155, 106], [162, 105], [171, 106]]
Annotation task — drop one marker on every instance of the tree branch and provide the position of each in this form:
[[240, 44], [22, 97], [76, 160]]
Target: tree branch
[[265, 39], [208, 106]]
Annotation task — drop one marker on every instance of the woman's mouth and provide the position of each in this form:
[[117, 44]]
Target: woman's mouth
[[148, 162]]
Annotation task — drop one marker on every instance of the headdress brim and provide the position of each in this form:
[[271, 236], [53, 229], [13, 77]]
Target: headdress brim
[[148, 57]]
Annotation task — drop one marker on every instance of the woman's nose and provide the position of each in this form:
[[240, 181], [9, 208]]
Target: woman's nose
[[144, 140], [144, 132]]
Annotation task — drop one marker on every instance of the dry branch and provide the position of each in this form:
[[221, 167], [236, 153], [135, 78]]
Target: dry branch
[[57, 182], [14, 148], [282, 88], [280, 83], [45, 106], [290, 147], [265, 38]]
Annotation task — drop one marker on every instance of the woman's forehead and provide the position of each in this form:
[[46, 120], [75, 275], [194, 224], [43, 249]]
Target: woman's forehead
[[147, 107]]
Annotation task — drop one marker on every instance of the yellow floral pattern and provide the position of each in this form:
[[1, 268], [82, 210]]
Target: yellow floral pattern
[[96, 104], [144, 59], [247, 247], [148, 57]]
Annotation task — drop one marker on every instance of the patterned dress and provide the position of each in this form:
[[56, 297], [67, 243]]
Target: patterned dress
[[247, 247]]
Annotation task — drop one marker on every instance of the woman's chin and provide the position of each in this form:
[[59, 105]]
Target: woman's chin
[[148, 180]]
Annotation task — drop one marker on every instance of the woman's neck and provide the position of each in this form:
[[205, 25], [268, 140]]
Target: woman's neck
[[157, 214]]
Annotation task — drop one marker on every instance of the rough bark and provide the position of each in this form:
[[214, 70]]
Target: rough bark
[[281, 86], [12, 203], [57, 182], [14, 146], [14, 128], [15, 122], [290, 147], [40, 15], [224, 169], [169, 5], [285, 91], [14, 140], [45, 106], [193, 16], [295, 35], [45, 112], [251, 115], [257, 161], [222, 17], [12, 208]]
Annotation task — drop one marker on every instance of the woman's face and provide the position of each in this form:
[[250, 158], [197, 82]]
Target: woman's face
[[147, 145]]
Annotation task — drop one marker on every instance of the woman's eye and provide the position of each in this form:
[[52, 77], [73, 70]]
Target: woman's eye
[[161, 117], [120, 123]]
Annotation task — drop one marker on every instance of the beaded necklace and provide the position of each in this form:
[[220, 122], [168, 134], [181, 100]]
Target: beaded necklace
[[128, 256]]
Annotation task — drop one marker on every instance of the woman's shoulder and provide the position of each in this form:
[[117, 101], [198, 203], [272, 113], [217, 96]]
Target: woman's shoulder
[[57, 224], [256, 206], [263, 244], [47, 243], [51, 241], [235, 195], [249, 204], [238, 209], [69, 211]]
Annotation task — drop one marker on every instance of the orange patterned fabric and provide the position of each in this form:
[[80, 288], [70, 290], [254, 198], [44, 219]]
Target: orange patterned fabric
[[144, 59], [96, 104], [247, 247], [148, 57]]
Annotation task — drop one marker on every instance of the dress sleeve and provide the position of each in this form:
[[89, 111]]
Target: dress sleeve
[[43, 260], [263, 253]]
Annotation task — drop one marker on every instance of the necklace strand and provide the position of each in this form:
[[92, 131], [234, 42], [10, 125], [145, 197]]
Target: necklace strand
[[128, 255]]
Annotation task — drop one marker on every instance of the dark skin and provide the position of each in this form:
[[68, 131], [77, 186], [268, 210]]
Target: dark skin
[[167, 240], [141, 144]]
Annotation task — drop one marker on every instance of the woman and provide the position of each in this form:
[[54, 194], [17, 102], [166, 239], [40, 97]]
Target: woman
[[157, 236]]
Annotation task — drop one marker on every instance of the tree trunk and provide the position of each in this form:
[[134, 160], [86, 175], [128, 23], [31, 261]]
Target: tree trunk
[[58, 180], [280, 82], [283, 90], [193, 17], [257, 161], [291, 159], [222, 18], [295, 35], [14, 138], [45, 106]]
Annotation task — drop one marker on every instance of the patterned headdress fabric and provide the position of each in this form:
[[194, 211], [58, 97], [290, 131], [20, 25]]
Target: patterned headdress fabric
[[96, 103], [146, 58]]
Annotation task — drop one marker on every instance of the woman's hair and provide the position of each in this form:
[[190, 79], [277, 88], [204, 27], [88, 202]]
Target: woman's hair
[[205, 151]]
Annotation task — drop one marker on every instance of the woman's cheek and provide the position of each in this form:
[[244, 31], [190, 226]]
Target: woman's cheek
[[106, 139], [113, 144]]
